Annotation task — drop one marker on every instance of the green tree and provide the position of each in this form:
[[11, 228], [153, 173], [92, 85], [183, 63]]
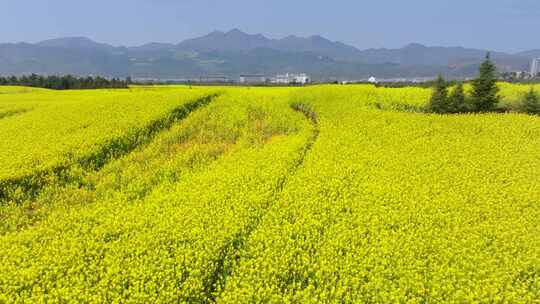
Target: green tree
[[485, 91], [531, 102], [439, 100], [457, 102]]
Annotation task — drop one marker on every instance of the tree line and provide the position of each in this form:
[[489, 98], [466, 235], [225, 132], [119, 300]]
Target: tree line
[[484, 96], [66, 82]]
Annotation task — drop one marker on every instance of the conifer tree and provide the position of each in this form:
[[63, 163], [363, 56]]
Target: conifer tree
[[457, 102], [485, 91], [531, 102], [439, 100]]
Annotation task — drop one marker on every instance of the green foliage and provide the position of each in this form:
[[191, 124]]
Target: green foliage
[[457, 101], [444, 103], [439, 100], [66, 82], [485, 91], [531, 102], [484, 97]]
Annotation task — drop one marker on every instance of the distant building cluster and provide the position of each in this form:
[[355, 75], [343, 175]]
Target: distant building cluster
[[533, 73], [535, 67], [285, 79], [291, 79], [303, 79], [249, 79]]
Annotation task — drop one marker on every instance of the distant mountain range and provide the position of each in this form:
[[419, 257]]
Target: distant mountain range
[[235, 52]]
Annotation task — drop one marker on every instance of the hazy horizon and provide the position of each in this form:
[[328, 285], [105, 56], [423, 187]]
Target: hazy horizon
[[385, 24]]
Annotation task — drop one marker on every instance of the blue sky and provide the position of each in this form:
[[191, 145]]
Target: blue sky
[[507, 25]]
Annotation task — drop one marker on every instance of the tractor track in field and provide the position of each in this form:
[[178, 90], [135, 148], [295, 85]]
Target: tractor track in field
[[228, 257], [28, 187], [10, 113]]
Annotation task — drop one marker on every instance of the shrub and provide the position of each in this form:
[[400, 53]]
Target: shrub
[[439, 100], [457, 101], [531, 102]]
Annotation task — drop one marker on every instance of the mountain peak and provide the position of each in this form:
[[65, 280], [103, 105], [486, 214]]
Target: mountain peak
[[74, 43], [318, 38], [75, 39], [235, 52], [236, 31], [415, 45], [241, 34], [290, 37], [233, 40]]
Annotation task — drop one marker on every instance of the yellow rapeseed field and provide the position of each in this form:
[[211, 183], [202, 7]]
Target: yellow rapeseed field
[[323, 194], [47, 131]]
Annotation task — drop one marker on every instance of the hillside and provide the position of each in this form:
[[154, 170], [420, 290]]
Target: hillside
[[235, 52]]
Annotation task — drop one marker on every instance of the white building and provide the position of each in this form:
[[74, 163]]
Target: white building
[[372, 80], [253, 79], [282, 79], [301, 79], [292, 79], [535, 67]]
